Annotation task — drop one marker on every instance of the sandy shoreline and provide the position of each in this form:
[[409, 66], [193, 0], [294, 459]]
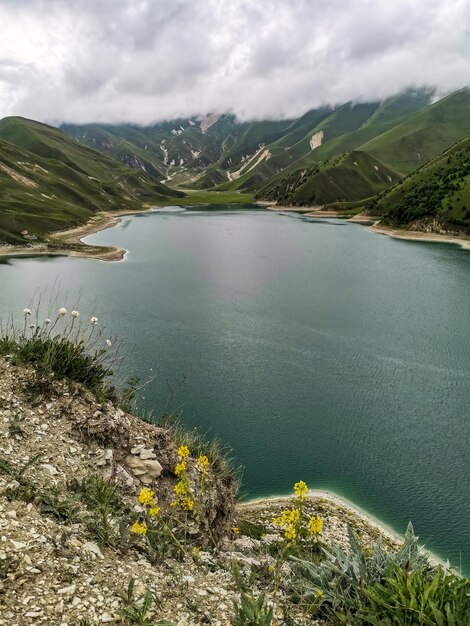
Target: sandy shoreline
[[373, 223], [340, 503], [108, 219], [73, 236], [416, 235], [290, 209]]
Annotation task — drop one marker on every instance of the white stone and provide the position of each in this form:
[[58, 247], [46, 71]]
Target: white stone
[[90, 546]]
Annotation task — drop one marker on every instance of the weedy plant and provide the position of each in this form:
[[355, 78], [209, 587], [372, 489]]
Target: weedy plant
[[15, 427], [107, 511], [173, 533], [417, 598], [401, 587], [252, 611], [63, 347], [138, 610]]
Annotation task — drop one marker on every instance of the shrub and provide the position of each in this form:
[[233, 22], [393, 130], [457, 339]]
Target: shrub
[[252, 611], [383, 588], [417, 598], [62, 348]]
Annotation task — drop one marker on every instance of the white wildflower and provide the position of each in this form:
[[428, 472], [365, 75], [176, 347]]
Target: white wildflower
[[27, 311], [108, 343], [75, 313], [62, 311], [94, 321], [47, 321]]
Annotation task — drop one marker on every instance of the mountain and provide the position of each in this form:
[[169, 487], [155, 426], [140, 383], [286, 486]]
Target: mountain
[[330, 156], [219, 152], [423, 136], [435, 197], [352, 176], [380, 162], [49, 181]]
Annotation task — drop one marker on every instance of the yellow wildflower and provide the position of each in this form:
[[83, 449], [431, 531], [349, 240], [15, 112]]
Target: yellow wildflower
[[154, 511], [319, 594], [270, 568], [187, 503], [196, 552], [290, 516], [180, 489], [236, 531], [139, 528], [290, 533], [183, 452], [277, 521], [180, 468], [203, 463], [315, 524], [301, 490], [146, 496]]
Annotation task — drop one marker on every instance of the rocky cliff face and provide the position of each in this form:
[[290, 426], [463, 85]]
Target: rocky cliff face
[[56, 566], [79, 478]]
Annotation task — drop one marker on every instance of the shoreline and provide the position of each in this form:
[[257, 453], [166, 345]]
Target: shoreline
[[417, 235], [107, 219], [373, 226], [339, 502], [74, 236]]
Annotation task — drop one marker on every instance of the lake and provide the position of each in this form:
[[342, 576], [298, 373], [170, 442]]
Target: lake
[[317, 349]]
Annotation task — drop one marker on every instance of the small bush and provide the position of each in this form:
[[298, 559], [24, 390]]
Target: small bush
[[417, 598], [62, 348], [107, 511], [252, 611], [383, 588]]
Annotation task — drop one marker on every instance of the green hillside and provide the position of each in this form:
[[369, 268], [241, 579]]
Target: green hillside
[[388, 114], [219, 152], [413, 139], [437, 195], [424, 135], [49, 181], [347, 177]]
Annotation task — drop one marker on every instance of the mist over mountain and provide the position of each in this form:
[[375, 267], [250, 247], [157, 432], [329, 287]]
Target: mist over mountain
[[144, 62]]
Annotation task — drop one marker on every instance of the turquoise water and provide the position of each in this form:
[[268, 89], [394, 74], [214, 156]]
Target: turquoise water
[[316, 349]]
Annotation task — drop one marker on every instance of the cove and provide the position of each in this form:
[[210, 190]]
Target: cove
[[316, 349]]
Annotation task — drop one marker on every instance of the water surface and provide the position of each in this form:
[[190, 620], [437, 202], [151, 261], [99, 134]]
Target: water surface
[[318, 350]]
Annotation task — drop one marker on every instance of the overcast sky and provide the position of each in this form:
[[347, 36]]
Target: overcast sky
[[147, 60]]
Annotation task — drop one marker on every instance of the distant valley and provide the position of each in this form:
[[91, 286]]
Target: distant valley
[[404, 160]]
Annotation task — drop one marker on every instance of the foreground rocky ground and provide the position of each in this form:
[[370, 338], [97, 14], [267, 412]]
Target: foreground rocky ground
[[56, 565]]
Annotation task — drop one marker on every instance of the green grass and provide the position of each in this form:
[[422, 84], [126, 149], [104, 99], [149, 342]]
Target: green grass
[[344, 178], [210, 197], [425, 135], [401, 135], [50, 181], [440, 189]]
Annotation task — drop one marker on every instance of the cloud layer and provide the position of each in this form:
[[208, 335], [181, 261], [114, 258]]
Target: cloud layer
[[143, 61]]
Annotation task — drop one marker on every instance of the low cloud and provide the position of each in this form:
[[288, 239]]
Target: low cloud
[[143, 61]]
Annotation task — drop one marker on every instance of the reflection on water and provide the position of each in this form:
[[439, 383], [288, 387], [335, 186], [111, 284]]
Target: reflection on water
[[328, 354]]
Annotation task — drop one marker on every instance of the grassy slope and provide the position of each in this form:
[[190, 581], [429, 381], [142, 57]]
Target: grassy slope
[[390, 113], [117, 147], [412, 140], [344, 129], [350, 176], [440, 189], [49, 181], [425, 135], [291, 153]]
